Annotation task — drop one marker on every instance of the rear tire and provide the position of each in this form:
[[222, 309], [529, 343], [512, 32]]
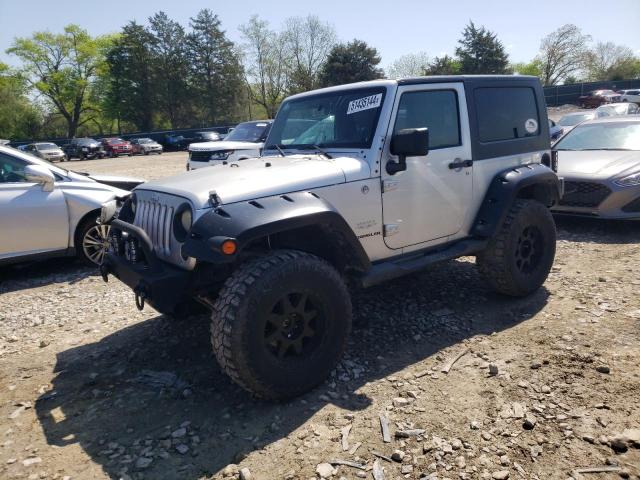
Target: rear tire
[[280, 324], [518, 259]]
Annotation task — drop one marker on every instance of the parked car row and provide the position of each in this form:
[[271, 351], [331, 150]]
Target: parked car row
[[89, 148], [570, 120], [597, 98]]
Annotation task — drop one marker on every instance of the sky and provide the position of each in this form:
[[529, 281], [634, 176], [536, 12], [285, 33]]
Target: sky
[[394, 28]]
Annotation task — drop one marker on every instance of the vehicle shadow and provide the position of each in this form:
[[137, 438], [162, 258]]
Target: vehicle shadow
[[122, 397], [597, 230], [45, 272]]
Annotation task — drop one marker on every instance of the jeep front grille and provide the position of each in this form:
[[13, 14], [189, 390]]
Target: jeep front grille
[[198, 156], [584, 194], [155, 212], [156, 220]]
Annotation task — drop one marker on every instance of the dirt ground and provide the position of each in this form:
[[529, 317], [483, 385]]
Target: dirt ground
[[91, 388]]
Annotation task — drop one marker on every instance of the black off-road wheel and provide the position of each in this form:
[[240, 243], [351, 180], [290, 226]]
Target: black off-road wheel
[[280, 324], [518, 259]]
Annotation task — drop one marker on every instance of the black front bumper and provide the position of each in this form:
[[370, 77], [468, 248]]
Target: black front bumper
[[163, 286]]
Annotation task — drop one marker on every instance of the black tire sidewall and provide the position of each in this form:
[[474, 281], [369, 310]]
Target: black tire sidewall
[[533, 214], [298, 374]]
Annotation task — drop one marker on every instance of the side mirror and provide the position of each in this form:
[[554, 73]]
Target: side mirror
[[410, 142], [41, 175]]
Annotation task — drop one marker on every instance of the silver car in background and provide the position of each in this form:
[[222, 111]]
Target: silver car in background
[[47, 151], [569, 121], [600, 163], [614, 109], [47, 211]]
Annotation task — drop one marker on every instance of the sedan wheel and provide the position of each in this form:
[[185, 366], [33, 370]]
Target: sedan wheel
[[95, 243]]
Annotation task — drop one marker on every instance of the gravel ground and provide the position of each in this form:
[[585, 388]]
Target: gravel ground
[[149, 167], [91, 388]]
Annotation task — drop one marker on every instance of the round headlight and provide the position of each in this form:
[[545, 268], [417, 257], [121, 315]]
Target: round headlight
[[185, 219], [182, 222]]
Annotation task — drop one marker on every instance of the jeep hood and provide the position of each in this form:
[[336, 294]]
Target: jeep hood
[[601, 164], [223, 145], [260, 177]]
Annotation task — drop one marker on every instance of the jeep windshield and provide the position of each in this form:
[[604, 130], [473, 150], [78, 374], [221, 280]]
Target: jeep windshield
[[342, 119]]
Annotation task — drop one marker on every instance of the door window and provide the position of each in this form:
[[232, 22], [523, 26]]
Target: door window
[[436, 110], [506, 113], [11, 169]]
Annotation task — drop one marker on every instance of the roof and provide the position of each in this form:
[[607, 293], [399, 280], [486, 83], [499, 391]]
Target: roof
[[422, 80], [617, 119]]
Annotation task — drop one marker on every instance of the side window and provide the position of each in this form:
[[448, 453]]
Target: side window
[[435, 109], [506, 113], [11, 169]]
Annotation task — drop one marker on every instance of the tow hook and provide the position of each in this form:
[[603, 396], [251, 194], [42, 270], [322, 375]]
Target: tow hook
[[141, 295], [104, 272]]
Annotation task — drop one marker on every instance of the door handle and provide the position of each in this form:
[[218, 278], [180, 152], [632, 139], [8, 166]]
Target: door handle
[[457, 163]]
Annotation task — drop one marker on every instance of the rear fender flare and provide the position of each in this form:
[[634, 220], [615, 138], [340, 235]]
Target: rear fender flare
[[535, 181]]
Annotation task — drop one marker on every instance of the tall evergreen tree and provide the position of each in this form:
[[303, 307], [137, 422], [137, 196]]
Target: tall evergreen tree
[[132, 89], [352, 62], [216, 73], [171, 69], [480, 52]]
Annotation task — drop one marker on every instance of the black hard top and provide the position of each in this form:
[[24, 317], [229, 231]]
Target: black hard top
[[469, 79]]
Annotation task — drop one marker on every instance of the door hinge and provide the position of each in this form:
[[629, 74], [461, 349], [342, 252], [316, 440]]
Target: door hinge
[[390, 229], [389, 185]]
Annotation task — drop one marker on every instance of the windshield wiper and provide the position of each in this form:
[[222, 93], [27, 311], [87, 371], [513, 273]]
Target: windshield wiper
[[277, 147], [315, 147]]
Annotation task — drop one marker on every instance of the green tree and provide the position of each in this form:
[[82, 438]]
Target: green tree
[[534, 68], [608, 61], [308, 41], [171, 69], [131, 92], [351, 62], [62, 68], [444, 65], [19, 118], [480, 52], [216, 72], [562, 53], [409, 65], [266, 64]]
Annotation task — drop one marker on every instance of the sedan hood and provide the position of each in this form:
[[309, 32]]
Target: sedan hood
[[259, 177], [120, 183], [600, 164], [223, 145]]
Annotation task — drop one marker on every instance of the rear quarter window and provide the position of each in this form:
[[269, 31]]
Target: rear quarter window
[[506, 113]]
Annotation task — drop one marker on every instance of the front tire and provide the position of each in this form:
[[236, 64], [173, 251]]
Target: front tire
[[280, 324], [518, 259], [92, 241]]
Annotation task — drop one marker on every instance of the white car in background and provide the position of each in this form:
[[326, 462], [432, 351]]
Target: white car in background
[[630, 96], [615, 109], [47, 211], [244, 141]]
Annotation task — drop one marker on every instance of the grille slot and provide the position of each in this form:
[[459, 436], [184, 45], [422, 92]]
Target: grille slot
[[156, 220], [197, 156], [584, 194]]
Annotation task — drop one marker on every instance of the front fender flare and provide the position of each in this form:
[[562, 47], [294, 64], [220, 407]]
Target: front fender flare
[[249, 221], [535, 181]]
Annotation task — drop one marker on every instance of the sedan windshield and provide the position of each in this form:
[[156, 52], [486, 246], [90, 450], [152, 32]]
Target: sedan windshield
[[571, 120], [248, 132], [602, 136], [145, 140], [47, 146], [343, 119]]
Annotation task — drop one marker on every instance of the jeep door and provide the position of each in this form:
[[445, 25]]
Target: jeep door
[[431, 198], [32, 221]]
